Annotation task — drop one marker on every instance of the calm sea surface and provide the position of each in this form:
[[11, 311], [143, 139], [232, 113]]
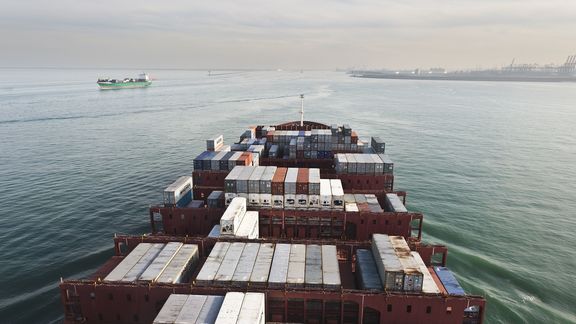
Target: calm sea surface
[[491, 165]]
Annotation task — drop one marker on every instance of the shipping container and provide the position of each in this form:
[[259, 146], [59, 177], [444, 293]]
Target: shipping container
[[214, 143], [181, 189], [325, 194], [301, 201], [216, 199], [278, 181], [289, 201], [242, 180], [253, 309], [225, 160], [296, 266], [352, 208], [378, 145], [366, 271], [230, 309], [265, 200], [387, 262], [428, 284], [254, 180], [249, 226], [233, 160], [232, 178], [261, 270], [128, 262], [337, 194], [313, 201], [314, 181], [212, 264], [449, 281], [279, 269], [313, 277], [215, 231], [215, 161], [388, 165], [266, 180], [290, 181], [232, 217], [134, 273], [228, 197], [394, 204], [182, 264], [330, 267], [171, 309], [302, 181]]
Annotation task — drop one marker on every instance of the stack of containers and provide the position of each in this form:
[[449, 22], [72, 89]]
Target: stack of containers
[[254, 186], [232, 217], [238, 307], [216, 199], [159, 263], [242, 182], [337, 194], [378, 145], [362, 163], [387, 262], [249, 228], [179, 193], [325, 194], [215, 161], [394, 204], [314, 188], [278, 188], [313, 277], [302, 188], [412, 275], [221, 160], [428, 284], [290, 188], [189, 309], [230, 184], [366, 271], [266, 186], [296, 266], [223, 163], [215, 143], [330, 267]]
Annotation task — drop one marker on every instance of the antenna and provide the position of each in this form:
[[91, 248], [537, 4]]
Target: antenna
[[302, 111]]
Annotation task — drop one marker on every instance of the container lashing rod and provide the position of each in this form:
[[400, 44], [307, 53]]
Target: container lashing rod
[[302, 111]]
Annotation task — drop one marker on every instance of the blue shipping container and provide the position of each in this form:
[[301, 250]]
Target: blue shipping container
[[449, 281], [185, 200]]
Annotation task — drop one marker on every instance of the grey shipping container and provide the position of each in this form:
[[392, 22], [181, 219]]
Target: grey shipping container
[[296, 266], [245, 264], [313, 277], [254, 180], [279, 268], [212, 264], [179, 268], [330, 267], [266, 180], [261, 270], [232, 178], [366, 271], [229, 264], [290, 181]]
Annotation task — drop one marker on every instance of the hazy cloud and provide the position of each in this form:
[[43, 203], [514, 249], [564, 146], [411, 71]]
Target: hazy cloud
[[287, 34]]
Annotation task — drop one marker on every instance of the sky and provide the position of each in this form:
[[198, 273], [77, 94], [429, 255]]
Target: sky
[[279, 34]]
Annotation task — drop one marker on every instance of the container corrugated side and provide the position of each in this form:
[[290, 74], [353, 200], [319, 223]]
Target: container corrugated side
[[230, 308], [389, 266], [394, 203], [266, 180], [154, 270], [366, 271], [128, 262], [254, 180], [337, 193], [231, 178], [143, 263], [261, 270], [290, 181], [178, 189], [212, 264], [325, 194], [428, 284], [243, 271], [171, 309], [229, 264], [180, 266], [253, 309], [232, 217], [279, 268], [330, 267]]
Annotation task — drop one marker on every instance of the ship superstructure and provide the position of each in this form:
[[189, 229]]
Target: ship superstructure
[[297, 222]]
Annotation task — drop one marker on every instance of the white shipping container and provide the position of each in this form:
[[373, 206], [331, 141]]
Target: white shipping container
[[314, 201], [330, 267], [296, 265], [229, 263], [143, 263], [128, 262], [337, 194], [230, 308], [171, 309], [246, 264], [214, 143], [352, 208], [159, 263], [212, 264], [177, 190], [301, 201], [254, 199], [261, 270], [191, 309], [249, 226], [232, 217], [185, 260], [229, 196], [289, 201], [325, 194], [428, 284], [265, 200], [279, 269], [387, 262], [253, 309]]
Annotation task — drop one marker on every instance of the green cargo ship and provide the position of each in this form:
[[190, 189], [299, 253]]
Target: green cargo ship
[[141, 82]]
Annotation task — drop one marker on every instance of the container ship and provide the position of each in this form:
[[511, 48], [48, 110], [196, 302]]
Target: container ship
[[513, 73], [293, 223], [142, 81]]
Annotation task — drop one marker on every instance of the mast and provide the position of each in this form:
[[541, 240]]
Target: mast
[[302, 111]]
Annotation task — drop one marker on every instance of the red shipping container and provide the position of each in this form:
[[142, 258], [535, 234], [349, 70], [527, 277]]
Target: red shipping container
[[278, 181], [302, 181]]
